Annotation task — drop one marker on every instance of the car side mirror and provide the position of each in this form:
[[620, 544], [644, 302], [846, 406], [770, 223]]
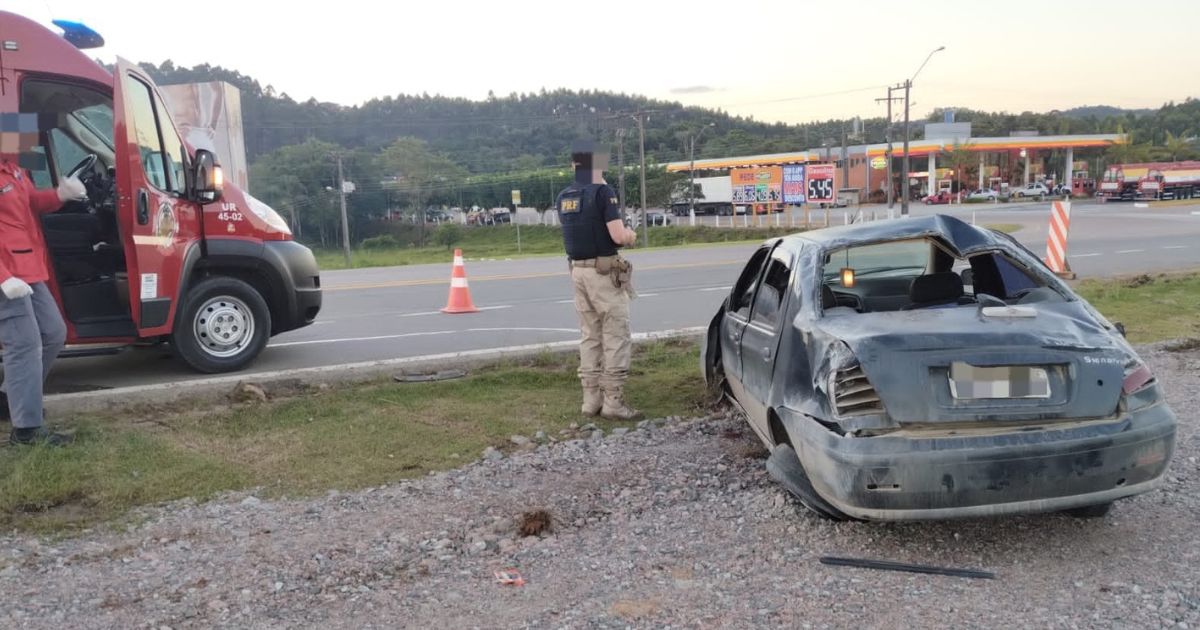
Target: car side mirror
[[208, 181]]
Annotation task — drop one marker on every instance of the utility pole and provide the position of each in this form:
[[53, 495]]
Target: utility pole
[[621, 167], [692, 179], [906, 169], [641, 121], [887, 132], [345, 219]]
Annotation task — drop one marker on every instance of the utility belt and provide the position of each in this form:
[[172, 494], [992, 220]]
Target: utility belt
[[615, 267]]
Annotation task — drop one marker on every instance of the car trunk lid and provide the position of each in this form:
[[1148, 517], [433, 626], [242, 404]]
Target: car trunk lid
[[1049, 361]]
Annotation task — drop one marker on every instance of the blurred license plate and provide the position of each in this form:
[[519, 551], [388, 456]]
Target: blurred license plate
[[972, 382]]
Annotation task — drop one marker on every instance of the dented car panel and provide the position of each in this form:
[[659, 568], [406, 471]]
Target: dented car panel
[[1017, 397]]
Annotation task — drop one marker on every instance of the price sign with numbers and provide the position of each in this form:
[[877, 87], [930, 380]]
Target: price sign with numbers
[[819, 179]]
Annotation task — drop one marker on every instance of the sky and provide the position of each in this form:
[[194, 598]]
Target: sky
[[789, 61]]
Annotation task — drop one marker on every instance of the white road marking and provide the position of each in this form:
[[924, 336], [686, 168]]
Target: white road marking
[[1129, 251], [715, 289], [564, 330], [1083, 255], [647, 295], [1175, 247], [416, 334], [565, 302], [350, 339], [342, 369], [482, 308]]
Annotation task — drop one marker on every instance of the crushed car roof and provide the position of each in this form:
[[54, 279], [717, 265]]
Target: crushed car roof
[[960, 235]]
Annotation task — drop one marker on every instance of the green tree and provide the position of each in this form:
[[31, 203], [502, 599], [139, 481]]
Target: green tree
[[448, 234], [1178, 147], [421, 176], [962, 158]]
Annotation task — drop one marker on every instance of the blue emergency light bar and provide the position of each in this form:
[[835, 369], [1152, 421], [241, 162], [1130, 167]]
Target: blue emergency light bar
[[79, 34]]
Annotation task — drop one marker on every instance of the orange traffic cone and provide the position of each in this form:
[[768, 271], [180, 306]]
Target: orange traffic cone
[[460, 295]]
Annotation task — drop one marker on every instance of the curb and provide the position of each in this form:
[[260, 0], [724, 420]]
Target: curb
[[218, 388]]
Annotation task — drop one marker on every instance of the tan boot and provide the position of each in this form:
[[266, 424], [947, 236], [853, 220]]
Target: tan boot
[[593, 401], [615, 408]]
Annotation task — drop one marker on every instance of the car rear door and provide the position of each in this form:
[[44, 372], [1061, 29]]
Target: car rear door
[[760, 339], [737, 316], [157, 221]]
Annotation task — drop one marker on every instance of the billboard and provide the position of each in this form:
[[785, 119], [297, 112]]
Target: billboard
[[757, 185], [209, 116], [793, 184], [820, 188]]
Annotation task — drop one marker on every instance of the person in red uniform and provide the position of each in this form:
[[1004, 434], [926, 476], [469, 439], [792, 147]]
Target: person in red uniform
[[31, 327]]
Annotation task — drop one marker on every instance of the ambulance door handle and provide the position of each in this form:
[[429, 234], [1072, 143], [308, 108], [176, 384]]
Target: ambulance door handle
[[143, 207]]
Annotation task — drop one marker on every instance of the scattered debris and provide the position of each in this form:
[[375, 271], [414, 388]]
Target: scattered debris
[[247, 392], [534, 523], [509, 577], [1139, 280], [1183, 345], [429, 377], [887, 565]]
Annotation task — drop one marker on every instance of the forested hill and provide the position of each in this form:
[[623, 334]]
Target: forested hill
[[525, 131]]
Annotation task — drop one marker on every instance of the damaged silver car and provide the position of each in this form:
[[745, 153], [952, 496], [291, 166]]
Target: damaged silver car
[[925, 368]]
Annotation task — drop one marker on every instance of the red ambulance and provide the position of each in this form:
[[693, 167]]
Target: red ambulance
[[162, 249]]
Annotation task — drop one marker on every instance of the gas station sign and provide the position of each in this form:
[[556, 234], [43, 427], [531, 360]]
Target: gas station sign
[[757, 185], [820, 183], [793, 184]]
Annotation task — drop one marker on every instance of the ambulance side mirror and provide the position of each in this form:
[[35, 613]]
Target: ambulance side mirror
[[207, 179]]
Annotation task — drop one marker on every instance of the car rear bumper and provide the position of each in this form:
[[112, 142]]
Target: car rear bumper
[[911, 478]]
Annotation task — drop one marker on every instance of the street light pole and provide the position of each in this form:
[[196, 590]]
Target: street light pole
[[345, 219], [692, 138], [907, 168]]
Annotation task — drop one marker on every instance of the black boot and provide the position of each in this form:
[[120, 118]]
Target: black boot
[[5, 416], [39, 435]]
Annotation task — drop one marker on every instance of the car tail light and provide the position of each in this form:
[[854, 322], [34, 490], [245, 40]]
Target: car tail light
[[853, 393], [1137, 377]]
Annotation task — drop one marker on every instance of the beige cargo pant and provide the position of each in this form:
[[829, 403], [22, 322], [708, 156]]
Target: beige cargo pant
[[604, 351]]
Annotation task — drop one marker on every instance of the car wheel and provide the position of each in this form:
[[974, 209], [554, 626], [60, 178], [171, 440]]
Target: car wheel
[[1090, 511], [222, 325]]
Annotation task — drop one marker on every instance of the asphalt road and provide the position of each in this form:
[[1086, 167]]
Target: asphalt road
[[383, 313]]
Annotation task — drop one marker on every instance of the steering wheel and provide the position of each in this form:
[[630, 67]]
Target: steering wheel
[[83, 166]]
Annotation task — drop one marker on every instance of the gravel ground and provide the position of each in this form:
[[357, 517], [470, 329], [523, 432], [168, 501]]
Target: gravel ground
[[675, 524]]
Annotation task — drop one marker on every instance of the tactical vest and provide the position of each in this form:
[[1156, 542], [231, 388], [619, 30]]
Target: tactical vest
[[585, 233]]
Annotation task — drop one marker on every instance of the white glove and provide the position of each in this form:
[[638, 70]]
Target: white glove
[[15, 288], [71, 188]]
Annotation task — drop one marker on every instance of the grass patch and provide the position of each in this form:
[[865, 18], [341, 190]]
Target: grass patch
[[500, 241], [346, 438], [1152, 308]]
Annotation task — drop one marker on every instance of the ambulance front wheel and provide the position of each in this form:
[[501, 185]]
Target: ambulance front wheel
[[222, 325]]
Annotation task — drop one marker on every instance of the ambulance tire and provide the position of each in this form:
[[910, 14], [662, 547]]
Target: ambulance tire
[[244, 318]]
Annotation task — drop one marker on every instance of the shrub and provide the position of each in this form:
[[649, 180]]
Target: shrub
[[448, 234], [383, 241]]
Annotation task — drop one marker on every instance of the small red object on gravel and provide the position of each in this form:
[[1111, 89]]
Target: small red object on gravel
[[510, 577]]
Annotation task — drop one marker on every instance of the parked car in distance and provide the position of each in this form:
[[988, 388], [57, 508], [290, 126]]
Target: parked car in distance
[[925, 368], [984, 194], [655, 219], [939, 198], [1032, 189]]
